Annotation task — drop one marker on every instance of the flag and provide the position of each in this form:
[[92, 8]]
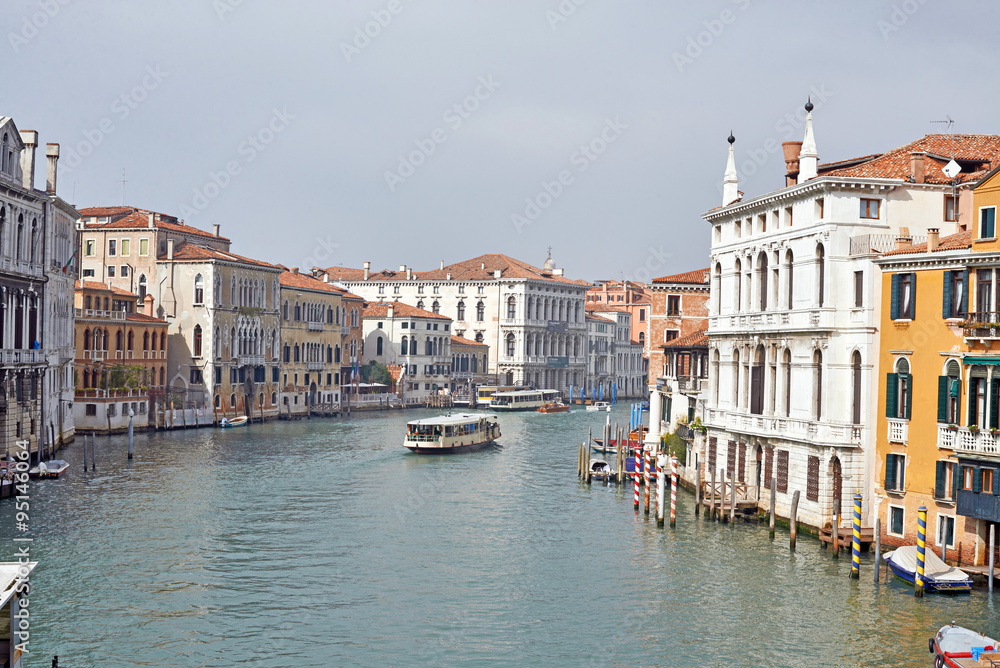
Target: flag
[[65, 267]]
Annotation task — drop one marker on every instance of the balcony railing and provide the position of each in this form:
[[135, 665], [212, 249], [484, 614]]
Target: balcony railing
[[97, 393], [154, 354], [769, 425], [898, 430], [314, 326], [963, 439], [982, 325], [95, 354], [15, 356], [314, 366], [690, 383], [877, 243], [97, 313], [250, 360]]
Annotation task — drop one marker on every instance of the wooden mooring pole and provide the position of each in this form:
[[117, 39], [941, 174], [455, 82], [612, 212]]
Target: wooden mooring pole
[[697, 486], [732, 498], [660, 489], [990, 573], [878, 548], [711, 498], [793, 521], [586, 462], [774, 496], [722, 495], [673, 491], [645, 479], [835, 536]]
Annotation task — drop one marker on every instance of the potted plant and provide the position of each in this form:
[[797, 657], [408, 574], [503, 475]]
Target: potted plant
[[953, 427], [994, 431], [974, 428]]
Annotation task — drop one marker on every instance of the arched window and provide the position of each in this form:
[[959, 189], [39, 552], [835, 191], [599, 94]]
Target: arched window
[[218, 401], [428, 346], [856, 385], [511, 308], [461, 311], [475, 363], [480, 312], [420, 304], [142, 287], [217, 342], [736, 379], [87, 304], [131, 339], [18, 249], [436, 306], [298, 312], [197, 340], [296, 352], [642, 339], [790, 282], [232, 400], [336, 354], [738, 291], [145, 340], [786, 361], [820, 274], [162, 376], [818, 385], [479, 337], [163, 340], [34, 239], [405, 346], [329, 315], [3, 225], [378, 346], [284, 310], [757, 382], [717, 287], [199, 289], [232, 292], [510, 344], [715, 376], [118, 340], [86, 339], [762, 280]]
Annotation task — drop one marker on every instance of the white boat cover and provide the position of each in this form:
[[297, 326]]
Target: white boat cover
[[934, 568], [953, 639]]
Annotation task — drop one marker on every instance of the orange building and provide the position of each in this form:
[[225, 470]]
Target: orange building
[[626, 295]]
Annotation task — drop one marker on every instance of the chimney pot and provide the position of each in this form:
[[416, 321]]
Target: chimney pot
[[933, 238], [402, 267], [170, 249], [791, 151], [368, 266], [448, 276], [917, 166], [151, 220], [294, 270], [442, 264], [52, 153], [215, 229], [30, 139], [903, 242], [409, 273]]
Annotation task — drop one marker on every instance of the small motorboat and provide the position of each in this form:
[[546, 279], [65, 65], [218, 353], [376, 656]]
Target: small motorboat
[[958, 647], [599, 406], [938, 576], [226, 423], [554, 407], [50, 469], [600, 470]]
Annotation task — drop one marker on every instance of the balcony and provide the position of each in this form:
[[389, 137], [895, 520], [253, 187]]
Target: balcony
[[823, 318], [345, 330], [837, 433], [154, 354], [8, 264], [963, 439], [314, 326], [250, 360], [96, 313], [982, 325], [95, 354], [898, 430], [867, 244], [314, 366], [11, 356], [690, 383]]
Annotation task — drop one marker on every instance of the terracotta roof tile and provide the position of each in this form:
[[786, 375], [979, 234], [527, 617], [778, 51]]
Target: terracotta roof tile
[[477, 269], [698, 277], [139, 219], [191, 251], [950, 242], [97, 285], [142, 317], [692, 340], [984, 150], [399, 309], [458, 340], [306, 282]]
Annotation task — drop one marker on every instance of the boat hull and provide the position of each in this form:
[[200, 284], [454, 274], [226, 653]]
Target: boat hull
[[930, 585], [237, 422], [449, 450]]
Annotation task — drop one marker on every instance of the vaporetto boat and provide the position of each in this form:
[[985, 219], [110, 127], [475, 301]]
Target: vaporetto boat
[[458, 432], [522, 400]]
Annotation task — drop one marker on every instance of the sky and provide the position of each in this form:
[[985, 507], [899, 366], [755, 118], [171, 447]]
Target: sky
[[419, 131]]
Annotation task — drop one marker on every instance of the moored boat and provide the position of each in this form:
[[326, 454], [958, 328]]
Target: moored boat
[[460, 432], [599, 406], [50, 469], [938, 576], [226, 423], [959, 647]]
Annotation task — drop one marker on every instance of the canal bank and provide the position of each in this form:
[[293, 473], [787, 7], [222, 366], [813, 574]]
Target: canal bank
[[324, 542]]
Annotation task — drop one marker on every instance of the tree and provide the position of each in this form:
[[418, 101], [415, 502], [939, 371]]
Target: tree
[[373, 372]]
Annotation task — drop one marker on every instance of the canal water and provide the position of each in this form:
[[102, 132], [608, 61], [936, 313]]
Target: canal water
[[325, 543]]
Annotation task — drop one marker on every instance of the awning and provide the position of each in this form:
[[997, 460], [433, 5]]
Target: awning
[[981, 361]]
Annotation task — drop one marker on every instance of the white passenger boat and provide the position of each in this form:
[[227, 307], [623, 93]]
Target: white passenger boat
[[459, 432], [523, 400], [599, 406]]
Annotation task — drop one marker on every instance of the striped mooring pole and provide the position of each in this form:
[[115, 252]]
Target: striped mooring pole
[[646, 478], [918, 583], [856, 545], [660, 492], [635, 476], [673, 491]]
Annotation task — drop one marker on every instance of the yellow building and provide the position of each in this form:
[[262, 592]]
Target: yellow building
[[938, 437]]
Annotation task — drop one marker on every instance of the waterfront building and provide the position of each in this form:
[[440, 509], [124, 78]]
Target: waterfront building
[[469, 368], [121, 357], [794, 305], [631, 295], [311, 316], [678, 311], [628, 364], [677, 397], [600, 356], [418, 340], [352, 339], [532, 318]]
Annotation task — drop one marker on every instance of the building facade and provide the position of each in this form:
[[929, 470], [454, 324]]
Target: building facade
[[418, 340], [629, 295], [628, 370], [311, 316], [600, 356], [469, 367]]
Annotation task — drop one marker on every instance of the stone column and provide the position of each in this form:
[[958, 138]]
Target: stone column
[[655, 407]]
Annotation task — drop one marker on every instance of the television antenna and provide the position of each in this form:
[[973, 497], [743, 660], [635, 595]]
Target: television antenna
[[123, 186]]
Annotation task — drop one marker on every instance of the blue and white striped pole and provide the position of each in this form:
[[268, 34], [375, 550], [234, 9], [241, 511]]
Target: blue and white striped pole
[[856, 545]]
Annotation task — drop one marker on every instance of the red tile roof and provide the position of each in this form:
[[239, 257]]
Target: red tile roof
[[698, 276], [601, 318], [103, 287], [950, 242], [135, 219], [477, 269], [189, 251], [982, 150], [306, 282], [458, 340], [697, 339], [142, 317], [399, 309]]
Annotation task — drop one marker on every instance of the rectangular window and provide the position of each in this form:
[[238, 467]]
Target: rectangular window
[[124, 271], [819, 208], [406, 325], [437, 289], [984, 290], [218, 375], [481, 290], [395, 290], [88, 273], [897, 396], [902, 297], [642, 315], [946, 531], [967, 478], [111, 271], [812, 479], [673, 305], [859, 289], [461, 289], [143, 247], [91, 410], [895, 473], [782, 460], [788, 216], [987, 222], [950, 208], [987, 483], [112, 247], [88, 247], [944, 481], [381, 289], [670, 335], [895, 521], [763, 222], [126, 246], [195, 376], [870, 208]]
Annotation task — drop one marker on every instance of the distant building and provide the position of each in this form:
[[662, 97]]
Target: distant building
[[628, 364], [600, 356], [626, 294], [418, 340], [469, 367], [677, 397], [352, 340]]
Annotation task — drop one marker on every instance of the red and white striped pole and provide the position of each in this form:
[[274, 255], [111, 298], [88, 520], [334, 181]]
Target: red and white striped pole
[[660, 496], [635, 476], [673, 491], [646, 479]]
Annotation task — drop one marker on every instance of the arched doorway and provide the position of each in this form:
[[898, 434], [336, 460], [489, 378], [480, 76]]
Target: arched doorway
[[312, 395], [759, 458], [836, 475]]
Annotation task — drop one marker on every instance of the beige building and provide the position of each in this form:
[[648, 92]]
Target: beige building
[[418, 340], [311, 344], [469, 367]]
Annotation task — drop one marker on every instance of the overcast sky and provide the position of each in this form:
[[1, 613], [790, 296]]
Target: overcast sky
[[328, 133]]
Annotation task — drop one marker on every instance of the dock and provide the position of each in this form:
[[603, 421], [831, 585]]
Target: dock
[[845, 536]]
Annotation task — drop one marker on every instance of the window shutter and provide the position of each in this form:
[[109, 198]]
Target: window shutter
[[942, 416], [891, 392], [955, 470], [996, 483], [994, 389], [946, 299], [894, 298], [940, 480], [901, 459], [965, 292], [973, 415], [977, 480], [890, 472], [913, 296], [909, 395]]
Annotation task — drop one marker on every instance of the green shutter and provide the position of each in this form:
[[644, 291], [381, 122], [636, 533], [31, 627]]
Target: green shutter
[[902, 472], [894, 298], [994, 390], [955, 470], [913, 296], [973, 414], [891, 395], [965, 292], [942, 416], [940, 480], [977, 480], [996, 483], [947, 298], [890, 471], [909, 395]]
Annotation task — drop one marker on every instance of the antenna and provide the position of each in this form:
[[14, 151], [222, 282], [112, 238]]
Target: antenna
[[123, 186], [952, 169]]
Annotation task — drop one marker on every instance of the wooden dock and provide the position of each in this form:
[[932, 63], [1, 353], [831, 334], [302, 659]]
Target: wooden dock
[[845, 536]]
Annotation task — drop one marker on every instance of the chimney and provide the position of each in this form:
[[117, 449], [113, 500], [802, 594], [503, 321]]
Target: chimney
[[442, 264], [326, 277], [917, 166], [215, 230], [294, 270], [389, 311], [791, 149], [409, 273], [903, 242], [730, 181], [482, 266], [30, 139], [148, 305], [557, 272], [402, 267], [150, 220], [808, 157], [448, 276], [933, 238], [170, 249], [368, 266], [52, 153], [496, 273]]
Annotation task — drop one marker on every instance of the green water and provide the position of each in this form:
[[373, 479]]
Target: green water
[[325, 543]]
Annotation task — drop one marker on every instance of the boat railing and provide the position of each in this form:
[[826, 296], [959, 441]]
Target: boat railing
[[422, 438]]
